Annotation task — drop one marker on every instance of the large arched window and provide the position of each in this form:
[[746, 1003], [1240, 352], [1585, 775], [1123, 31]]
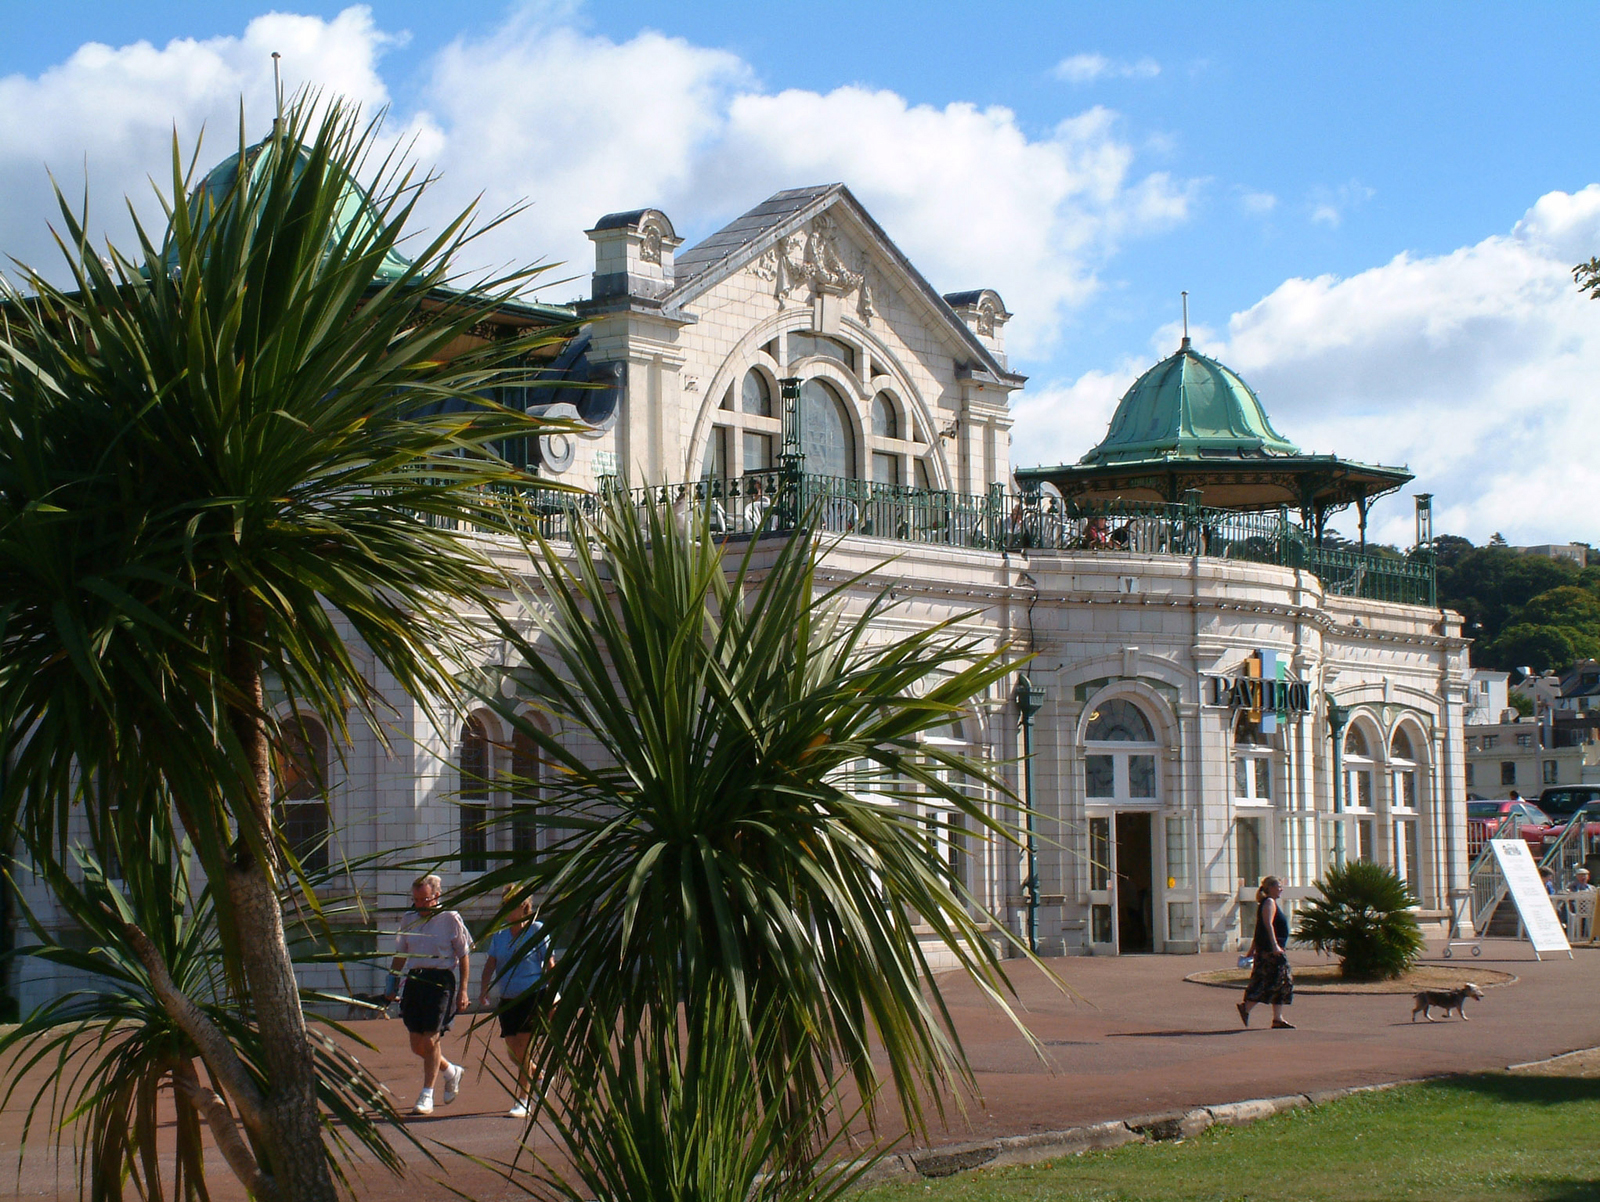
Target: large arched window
[[1358, 785], [1403, 808], [473, 798], [826, 435], [1110, 772], [301, 770]]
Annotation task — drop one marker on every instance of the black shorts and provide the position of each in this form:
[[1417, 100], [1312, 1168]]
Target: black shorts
[[428, 1004], [520, 1017]]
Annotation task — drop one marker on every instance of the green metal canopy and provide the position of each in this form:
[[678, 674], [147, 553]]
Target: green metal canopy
[[1190, 426], [355, 207]]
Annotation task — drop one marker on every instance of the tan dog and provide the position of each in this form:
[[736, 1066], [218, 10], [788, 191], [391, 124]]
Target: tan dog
[[1446, 999]]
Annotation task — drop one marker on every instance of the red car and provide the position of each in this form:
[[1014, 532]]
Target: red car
[[1484, 819]]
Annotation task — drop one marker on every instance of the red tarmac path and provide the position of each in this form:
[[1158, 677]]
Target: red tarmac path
[[1138, 1039]]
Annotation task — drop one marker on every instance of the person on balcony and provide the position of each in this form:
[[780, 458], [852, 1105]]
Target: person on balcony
[[755, 506]]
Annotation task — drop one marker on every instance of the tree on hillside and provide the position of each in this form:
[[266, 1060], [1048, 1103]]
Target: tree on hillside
[[1489, 585], [213, 453]]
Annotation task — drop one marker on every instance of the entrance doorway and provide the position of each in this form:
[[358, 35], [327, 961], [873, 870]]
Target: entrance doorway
[[1121, 880]]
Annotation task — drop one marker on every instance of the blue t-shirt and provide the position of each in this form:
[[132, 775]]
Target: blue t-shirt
[[530, 949]]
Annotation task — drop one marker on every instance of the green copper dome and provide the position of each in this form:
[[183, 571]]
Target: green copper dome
[[1189, 407], [355, 207]]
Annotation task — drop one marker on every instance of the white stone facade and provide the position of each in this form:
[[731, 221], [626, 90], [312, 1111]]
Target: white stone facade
[[1147, 843]]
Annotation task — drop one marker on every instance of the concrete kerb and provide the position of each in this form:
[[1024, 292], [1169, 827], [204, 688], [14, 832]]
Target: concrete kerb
[[1074, 1141]]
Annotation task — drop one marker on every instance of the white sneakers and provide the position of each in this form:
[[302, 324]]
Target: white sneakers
[[452, 1074], [519, 1111]]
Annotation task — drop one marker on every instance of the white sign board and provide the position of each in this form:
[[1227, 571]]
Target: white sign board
[[1533, 904]]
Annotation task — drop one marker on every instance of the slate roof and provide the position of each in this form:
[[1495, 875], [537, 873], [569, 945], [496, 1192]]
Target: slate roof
[[742, 231], [703, 265]]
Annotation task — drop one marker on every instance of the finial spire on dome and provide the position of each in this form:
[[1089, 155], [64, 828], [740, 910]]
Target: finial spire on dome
[[1185, 344], [277, 92]]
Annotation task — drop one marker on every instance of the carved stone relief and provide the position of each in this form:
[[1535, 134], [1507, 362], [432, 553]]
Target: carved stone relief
[[650, 242], [812, 261]]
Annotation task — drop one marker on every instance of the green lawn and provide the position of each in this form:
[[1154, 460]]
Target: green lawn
[[1491, 1136]]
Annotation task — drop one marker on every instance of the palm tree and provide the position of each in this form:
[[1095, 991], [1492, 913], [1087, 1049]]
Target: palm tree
[[116, 1042], [738, 800], [224, 461]]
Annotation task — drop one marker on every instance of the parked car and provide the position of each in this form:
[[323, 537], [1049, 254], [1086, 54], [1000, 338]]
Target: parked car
[[1561, 802], [1485, 817]]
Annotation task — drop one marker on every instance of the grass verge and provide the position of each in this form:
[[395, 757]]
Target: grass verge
[[1499, 1136]]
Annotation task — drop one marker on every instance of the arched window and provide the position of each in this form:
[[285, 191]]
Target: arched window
[[754, 395], [945, 825], [1118, 721], [1358, 773], [826, 436], [1116, 773], [885, 421], [527, 778], [473, 798], [301, 770], [1403, 803]]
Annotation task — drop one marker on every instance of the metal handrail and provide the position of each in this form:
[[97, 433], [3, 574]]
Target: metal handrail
[[1484, 877], [1568, 852], [781, 499]]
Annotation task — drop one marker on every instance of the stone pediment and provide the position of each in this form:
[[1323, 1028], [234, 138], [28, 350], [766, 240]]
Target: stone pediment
[[811, 243]]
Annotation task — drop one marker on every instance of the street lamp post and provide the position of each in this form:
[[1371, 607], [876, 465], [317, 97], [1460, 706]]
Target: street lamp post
[[1338, 718], [1030, 698]]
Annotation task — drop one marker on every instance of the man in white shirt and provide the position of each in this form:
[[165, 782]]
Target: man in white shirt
[[433, 945]]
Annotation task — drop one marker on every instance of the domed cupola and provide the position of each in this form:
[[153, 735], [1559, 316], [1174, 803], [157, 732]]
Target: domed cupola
[[1190, 428], [1188, 406], [355, 206]]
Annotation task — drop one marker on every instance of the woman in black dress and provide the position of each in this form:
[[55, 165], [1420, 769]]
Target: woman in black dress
[[1270, 978]]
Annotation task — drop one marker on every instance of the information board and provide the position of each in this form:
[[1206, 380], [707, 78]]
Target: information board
[[1533, 904]]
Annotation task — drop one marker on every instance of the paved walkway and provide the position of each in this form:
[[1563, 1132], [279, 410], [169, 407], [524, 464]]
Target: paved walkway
[[1136, 1039]]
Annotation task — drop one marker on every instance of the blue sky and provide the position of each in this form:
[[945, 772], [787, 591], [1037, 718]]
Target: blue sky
[[1371, 205]]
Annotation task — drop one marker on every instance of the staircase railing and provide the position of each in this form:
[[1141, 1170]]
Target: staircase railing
[[1484, 877], [1573, 846]]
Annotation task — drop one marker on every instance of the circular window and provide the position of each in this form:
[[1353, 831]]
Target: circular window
[[825, 434]]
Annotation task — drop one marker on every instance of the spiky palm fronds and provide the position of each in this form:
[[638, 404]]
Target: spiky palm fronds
[[112, 1049], [1364, 918], [740, 796]]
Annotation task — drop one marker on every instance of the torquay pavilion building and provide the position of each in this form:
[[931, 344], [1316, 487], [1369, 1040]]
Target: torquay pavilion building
[[1214, 692]]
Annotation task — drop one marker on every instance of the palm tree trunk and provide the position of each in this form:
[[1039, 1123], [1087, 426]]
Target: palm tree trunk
[[299, 1166]]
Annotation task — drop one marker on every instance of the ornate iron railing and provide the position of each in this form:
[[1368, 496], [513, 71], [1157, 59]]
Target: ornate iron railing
[[783, 499]]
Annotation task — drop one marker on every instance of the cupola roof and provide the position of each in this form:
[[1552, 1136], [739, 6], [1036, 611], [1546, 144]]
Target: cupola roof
[[1189, 407]]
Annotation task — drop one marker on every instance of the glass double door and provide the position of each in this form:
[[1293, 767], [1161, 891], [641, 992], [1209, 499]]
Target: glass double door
[[1121, 882]]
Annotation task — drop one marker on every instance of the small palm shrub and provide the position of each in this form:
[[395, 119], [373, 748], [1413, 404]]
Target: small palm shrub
[[1363, 918]]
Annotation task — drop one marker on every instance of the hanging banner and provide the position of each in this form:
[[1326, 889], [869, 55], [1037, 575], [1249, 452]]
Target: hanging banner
[[1533, 904]]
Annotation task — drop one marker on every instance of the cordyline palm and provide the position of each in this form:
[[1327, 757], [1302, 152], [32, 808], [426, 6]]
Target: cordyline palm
[[735, 756], [1364, 917], [223, 462], [111, 1046]]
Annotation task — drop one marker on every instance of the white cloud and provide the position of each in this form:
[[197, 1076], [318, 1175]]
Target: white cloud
[[111, 112], [1258, 204], [1476, 368], [1328, 206], [1086, 68], [581, 125]]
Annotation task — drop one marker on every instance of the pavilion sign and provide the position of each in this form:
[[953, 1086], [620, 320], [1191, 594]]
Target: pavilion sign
[[1264, 690]]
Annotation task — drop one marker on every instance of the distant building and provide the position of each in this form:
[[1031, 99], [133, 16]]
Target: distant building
[[1578, 553], [1487, 701], [1531, 754]]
